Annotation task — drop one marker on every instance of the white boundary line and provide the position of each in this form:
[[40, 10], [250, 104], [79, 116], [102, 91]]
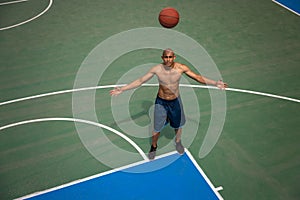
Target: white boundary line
[[282, 5], [12, 2], [29, 20], [92, 177], [112, 86], [204, 176], [264, 94], [126, 167], [81, 121], [56, 93]]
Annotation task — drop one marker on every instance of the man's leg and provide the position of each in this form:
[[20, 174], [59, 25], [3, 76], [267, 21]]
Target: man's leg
[[155, 136], [179, 147], [178, 132], [152, 152]]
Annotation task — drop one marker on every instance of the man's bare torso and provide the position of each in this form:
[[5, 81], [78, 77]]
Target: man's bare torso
[[168, 78]]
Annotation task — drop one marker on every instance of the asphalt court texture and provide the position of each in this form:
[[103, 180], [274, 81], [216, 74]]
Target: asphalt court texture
[[254, 44]]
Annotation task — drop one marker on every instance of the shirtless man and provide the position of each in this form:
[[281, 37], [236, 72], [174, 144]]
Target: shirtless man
[[168, 105]]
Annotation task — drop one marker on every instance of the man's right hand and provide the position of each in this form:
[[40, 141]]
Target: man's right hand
[[116, 91]]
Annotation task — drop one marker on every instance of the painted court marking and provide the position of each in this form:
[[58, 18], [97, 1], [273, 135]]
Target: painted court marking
[[26, 21], [90, 178], [68, 189], [107, 127], [12, 2], [291, 5], [81, 121], [145, 158], [149, 85]]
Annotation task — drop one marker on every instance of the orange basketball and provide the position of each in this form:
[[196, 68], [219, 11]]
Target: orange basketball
[[168, 17]]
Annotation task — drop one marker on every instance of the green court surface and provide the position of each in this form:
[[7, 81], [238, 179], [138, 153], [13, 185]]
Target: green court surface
[[254, 44]]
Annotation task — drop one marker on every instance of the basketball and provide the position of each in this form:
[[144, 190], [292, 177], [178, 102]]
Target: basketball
[[168, 17]]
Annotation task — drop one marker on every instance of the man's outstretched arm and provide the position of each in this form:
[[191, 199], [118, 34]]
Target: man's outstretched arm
[[134, 84], [202, 79]]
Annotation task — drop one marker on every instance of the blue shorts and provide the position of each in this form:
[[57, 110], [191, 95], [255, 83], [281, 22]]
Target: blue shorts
[[166, 111]]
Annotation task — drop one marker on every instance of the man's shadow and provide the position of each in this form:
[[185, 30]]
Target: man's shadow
[[148, 111]]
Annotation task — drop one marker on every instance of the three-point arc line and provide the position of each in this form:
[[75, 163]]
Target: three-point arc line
[[107, 127], [112, 86], [26, 21], [80, 121], [12, 2]]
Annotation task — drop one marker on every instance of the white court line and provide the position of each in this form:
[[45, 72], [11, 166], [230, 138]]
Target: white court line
[[12, 2], [56, 93], [289, 9], [81, 121], [216, 190], [151, 85], [264, 94], [94, 176], [126, 167], [29, 20], [246, 91]]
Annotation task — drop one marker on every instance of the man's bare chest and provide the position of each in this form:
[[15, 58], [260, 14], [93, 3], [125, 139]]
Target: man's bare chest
[[171, 76]]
